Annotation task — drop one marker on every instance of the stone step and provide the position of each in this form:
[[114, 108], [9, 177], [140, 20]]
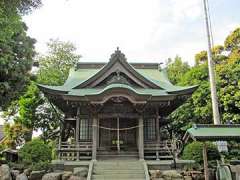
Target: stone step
[[116, 152], [118, 168], [123, 157], [118, 171], [118, 176], [111, 178], [119, 163]]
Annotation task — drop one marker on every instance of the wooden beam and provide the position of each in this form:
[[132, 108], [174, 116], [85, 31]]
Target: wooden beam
[[205, 161], [120, 115]]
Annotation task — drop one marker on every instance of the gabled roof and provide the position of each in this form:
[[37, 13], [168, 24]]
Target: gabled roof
[[210, 132], [150, 80]]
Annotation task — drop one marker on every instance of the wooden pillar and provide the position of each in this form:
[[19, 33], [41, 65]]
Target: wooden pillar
[[205, 161], [140, 138], [157, 134], [60, 142], [77, 131], [62, 126], [94, 138]]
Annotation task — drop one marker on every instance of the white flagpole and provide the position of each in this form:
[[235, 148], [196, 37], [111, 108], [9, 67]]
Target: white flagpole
[[216, 116]]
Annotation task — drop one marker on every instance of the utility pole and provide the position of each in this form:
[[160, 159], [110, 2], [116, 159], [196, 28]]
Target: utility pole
[[216, 117]]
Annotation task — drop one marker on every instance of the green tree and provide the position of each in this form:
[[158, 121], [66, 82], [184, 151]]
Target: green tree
[[217, 52], [16, 49], [176, 69], [53, 70], [21, 6], [32, 110], [193, 151], [16, 59], [54, 67], [228, 79], [232, 42], [198, 108], [28, 104], [14, 135], [35, 152]]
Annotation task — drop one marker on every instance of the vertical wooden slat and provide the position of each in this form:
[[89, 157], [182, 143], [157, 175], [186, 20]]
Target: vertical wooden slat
[[157, 132], [94, 138], [205, 161], [140, 138], [77, 131], [60, 142]]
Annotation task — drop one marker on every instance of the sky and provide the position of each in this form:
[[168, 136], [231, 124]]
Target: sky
[[144, 30]]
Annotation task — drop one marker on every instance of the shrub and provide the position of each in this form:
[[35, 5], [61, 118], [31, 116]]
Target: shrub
[[193, 151], [40, 166], [35, 152]]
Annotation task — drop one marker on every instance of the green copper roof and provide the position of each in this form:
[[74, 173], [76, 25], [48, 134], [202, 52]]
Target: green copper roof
[[150, 80], [160, 78], [76, 77], [93, 91], [214, 132]]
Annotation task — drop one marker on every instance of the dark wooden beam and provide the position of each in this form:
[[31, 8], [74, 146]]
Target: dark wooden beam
[[120, 115]]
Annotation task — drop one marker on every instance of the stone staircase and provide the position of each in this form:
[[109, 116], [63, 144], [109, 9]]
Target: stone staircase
[[118, 170], [114, 155]]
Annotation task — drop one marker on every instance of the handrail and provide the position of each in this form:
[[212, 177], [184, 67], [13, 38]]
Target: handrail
[[90, 169], [65, 146], [147, 177]]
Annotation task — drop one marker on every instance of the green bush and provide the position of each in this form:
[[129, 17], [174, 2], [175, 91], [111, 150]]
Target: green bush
[[35, 152], [40, 166], [53, 145], [193, 151]]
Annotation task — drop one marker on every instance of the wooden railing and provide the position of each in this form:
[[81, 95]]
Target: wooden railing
[[75, 151], [161, 146], [160, 150], [167, 149]]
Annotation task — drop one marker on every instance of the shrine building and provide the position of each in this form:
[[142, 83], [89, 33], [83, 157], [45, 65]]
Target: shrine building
[[115, 108]]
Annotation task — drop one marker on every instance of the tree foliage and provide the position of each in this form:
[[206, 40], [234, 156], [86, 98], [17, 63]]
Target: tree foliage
[[232, 42], [21, 6], [54, 67], [198, 108], [34, 152], [176, 69], [32, 110], [53, 70], [16, 51], [14, 135], [193, 151]]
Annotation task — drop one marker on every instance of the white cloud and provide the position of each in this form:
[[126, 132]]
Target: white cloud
[[144, 30]]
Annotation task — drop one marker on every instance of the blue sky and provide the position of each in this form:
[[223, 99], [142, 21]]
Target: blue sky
[[146, 31]]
